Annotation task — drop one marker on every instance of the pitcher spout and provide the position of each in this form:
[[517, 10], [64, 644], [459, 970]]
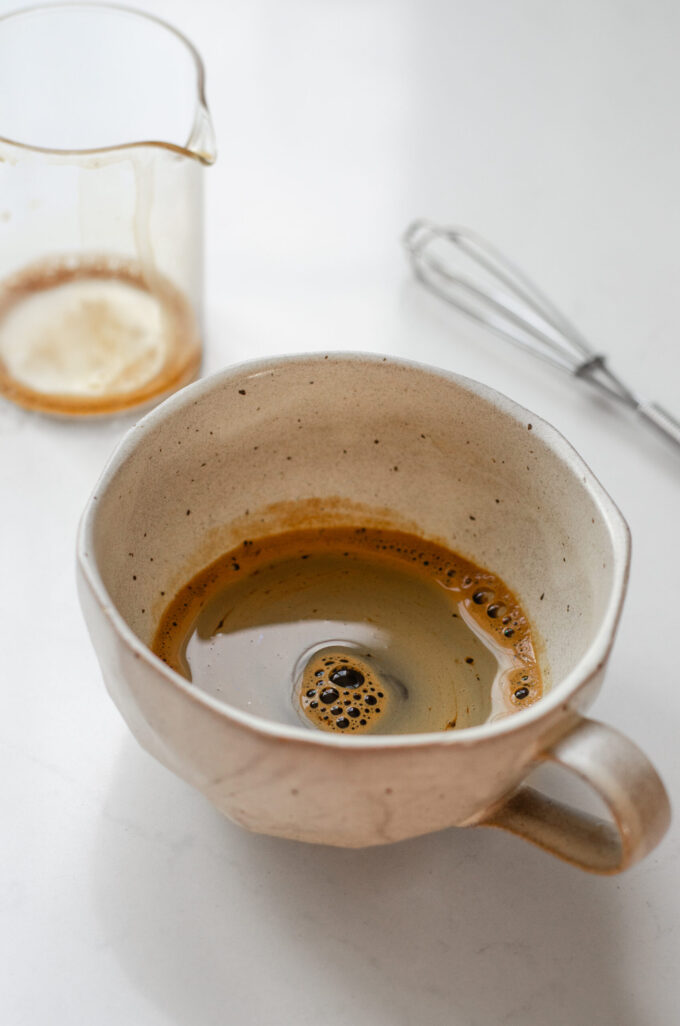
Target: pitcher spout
[[201, 143]]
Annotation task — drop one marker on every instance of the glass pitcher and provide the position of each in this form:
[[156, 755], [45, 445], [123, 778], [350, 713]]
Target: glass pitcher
[[104, 133]]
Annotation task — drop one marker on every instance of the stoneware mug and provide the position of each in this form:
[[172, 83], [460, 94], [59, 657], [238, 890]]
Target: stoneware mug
[[291, 442]]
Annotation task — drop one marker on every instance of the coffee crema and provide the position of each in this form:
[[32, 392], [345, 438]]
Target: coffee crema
[[93, 336], [353, 630]]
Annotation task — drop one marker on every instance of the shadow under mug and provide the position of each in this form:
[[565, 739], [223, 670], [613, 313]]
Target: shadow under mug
[[316, 440]]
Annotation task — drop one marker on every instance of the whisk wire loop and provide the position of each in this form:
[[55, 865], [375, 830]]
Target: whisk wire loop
[[495, 293]]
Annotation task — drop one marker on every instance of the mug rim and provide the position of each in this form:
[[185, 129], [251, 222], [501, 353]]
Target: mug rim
[[591, 662]]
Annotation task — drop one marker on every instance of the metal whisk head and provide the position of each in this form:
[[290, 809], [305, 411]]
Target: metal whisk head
[[470, 274]]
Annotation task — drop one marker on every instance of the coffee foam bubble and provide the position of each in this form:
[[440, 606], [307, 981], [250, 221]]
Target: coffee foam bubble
[[339, 689]]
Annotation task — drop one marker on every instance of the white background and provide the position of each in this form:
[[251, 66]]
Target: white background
[[124, 897]]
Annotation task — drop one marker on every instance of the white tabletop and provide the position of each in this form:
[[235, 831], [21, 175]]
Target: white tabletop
[[125, 898]]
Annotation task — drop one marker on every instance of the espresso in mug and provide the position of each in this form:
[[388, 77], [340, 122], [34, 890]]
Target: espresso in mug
[[353, 630]]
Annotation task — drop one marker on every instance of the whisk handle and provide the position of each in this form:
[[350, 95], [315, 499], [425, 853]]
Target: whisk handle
[[661, 419]]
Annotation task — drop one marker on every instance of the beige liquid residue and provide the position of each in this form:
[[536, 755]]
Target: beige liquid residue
[[92, 335]]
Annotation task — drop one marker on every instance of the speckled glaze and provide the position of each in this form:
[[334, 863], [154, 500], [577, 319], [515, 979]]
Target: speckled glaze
[[351, 438]]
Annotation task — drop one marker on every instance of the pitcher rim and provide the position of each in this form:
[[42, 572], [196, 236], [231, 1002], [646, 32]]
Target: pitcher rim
[[206, 158]]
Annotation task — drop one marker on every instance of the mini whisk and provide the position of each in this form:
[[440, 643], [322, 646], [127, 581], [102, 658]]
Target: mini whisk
[[489, 288]]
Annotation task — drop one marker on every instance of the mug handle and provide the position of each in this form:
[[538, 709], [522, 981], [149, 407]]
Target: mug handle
[[621, 775]]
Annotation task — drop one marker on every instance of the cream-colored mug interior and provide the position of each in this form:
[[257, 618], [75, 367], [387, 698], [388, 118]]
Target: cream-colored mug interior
[[357, 439]]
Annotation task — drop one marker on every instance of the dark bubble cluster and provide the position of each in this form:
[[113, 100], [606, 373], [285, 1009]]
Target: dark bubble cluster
[[523, 686], [493, 611], [501, 618], [341, 693]]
